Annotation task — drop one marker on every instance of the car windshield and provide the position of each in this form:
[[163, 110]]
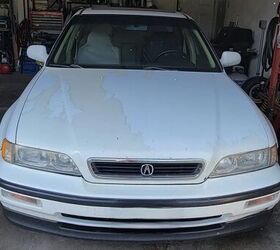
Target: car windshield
[[133, 42]]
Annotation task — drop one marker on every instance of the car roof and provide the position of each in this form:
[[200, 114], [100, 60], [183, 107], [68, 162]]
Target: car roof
[[130, 11]]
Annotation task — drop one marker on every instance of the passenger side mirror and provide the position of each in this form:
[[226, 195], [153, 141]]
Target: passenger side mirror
[[230, 59], [37, 53]]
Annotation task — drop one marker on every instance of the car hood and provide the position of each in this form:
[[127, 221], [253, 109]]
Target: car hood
[[140, 114]]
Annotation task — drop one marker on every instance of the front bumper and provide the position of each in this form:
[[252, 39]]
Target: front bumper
[[70, 206], [83, 232]]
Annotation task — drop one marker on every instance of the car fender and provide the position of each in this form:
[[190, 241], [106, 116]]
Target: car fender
[[9, 123]]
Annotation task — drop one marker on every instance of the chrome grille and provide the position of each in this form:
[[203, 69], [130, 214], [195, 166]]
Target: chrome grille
[[126, 169]]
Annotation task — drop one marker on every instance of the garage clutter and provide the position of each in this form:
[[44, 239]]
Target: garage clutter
[[6, 41], [42, 22]]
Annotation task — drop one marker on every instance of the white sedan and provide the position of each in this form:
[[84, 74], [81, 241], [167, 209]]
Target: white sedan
[[133, 131]]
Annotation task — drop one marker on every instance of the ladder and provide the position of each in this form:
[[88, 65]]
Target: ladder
[[272, 111]]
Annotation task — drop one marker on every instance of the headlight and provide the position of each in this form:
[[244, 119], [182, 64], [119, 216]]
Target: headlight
[[38, 159], [247, 162]]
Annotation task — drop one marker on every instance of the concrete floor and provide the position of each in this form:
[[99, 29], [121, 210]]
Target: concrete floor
[[11, 86], [14, 237]]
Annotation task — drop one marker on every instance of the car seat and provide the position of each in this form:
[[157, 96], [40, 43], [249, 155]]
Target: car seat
[[98, 49]]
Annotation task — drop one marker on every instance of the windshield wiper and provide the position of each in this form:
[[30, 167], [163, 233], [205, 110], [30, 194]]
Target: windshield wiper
[[153, 68], [65, 65], [76, 66]]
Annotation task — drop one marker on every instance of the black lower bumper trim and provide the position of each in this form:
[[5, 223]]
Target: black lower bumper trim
[[132, 203], [82, 232]]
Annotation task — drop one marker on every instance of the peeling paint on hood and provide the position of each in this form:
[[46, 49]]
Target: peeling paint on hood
[[139, 114]]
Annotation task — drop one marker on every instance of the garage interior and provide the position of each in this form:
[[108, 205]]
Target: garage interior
[[27, 22]]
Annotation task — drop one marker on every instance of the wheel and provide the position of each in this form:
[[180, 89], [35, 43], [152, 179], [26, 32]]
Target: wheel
[[253, 87]]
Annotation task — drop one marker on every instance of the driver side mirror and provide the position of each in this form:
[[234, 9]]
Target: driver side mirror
[[230, 59], [37, 53]]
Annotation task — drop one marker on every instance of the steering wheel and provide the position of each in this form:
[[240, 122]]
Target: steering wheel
[[173, 51]]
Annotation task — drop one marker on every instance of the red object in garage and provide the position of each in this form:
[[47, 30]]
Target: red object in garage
[[5, 68], [273, 109]]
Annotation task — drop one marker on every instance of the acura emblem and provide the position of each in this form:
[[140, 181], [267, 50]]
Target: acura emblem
[[147, 170]]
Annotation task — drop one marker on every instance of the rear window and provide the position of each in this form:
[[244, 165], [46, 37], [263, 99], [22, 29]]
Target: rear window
[[133, 42]]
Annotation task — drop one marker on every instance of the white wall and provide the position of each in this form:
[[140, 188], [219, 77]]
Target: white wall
[[166, 4], [248, 13], [202, 12]]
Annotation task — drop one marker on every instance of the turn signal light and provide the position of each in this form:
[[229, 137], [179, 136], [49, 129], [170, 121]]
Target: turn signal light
[[262, 200], [5, 149], [21, 198]]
